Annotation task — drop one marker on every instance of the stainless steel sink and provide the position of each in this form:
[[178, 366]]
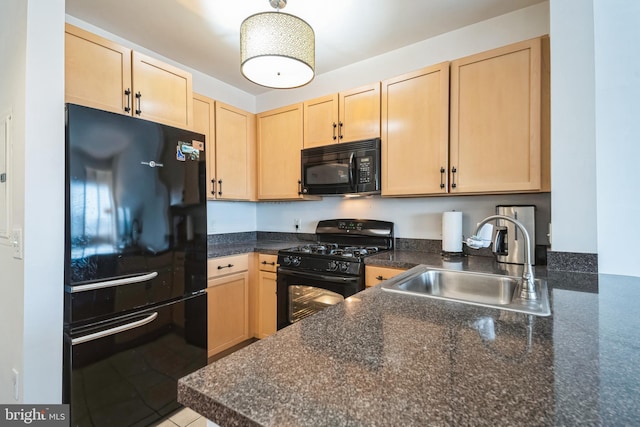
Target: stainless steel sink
[[488, 290]]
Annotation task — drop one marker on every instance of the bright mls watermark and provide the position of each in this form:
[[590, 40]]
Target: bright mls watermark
[[34, 415]]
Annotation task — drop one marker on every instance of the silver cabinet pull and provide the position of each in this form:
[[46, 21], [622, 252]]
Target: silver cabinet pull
[[112, 283], [113, 331]]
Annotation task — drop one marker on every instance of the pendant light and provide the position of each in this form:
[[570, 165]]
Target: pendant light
[[277, 50]]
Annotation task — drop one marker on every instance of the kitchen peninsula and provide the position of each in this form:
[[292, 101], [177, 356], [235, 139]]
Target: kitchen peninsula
[[386, 359]]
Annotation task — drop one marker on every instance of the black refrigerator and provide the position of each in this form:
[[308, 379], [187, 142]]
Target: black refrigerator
[[135, 305]]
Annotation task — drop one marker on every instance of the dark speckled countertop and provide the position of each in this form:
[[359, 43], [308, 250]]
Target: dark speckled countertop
[[383, 359]]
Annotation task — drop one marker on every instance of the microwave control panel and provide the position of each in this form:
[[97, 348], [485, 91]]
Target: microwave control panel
[[365, 166]]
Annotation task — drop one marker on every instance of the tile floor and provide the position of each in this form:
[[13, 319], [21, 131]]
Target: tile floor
[[183, 418], [186, 417]]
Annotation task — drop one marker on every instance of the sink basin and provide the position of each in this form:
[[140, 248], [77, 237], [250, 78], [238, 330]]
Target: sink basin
[[488, 290]]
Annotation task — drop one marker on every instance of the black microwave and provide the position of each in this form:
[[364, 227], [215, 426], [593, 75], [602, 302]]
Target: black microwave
[[345, 168]]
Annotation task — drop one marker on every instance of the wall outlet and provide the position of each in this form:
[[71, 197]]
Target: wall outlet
[[16, 384], [296, 224], [16, 243]]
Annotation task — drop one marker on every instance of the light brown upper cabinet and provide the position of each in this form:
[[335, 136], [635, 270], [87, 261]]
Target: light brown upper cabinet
[[279, 135], [230, 134], [415, 132], [343, 117], [204, 113], [101, 74], [499, 120]]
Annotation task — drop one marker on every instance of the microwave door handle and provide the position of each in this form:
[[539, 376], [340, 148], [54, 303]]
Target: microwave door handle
[[352, 169]]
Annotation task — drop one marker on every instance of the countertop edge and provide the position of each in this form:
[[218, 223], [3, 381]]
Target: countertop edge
[[210, 408]]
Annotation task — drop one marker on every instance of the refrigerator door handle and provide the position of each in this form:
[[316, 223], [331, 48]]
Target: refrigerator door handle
[[113, 331], [111, 283]]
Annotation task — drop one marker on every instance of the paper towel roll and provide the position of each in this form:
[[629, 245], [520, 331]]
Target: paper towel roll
[[452, 231]]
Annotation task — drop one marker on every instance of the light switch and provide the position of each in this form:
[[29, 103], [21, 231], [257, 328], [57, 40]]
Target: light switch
[[16, 242]]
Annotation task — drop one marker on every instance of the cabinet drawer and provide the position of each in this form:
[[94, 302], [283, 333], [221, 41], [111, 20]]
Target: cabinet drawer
[[268, 262], [217, 267], [374, 275]]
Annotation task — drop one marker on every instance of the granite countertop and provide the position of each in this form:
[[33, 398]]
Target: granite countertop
[[387, 359]]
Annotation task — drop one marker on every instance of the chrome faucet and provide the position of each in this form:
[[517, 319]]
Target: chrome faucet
[[528, 289]]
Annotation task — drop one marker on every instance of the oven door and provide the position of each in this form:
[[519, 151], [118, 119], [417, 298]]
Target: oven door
[[301, 294]]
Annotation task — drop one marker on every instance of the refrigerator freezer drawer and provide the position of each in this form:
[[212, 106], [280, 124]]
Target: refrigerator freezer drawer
[[91, 302], [124, 372]]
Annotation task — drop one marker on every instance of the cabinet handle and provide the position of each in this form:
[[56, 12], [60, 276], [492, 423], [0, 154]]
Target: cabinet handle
[[334, 130], [340, 133], [268, 263], [220, 267], [299, 187], [442, 171], [453, 177], [380, 278], [128, 107], [213, 186], [219, 187], [139, 109]]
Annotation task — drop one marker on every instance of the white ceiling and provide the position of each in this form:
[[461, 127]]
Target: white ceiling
[[204, 34]]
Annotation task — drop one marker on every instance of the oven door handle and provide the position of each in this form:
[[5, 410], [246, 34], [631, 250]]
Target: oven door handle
[[317, 276]]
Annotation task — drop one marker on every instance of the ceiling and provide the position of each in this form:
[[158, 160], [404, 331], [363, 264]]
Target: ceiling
[[204, 34]]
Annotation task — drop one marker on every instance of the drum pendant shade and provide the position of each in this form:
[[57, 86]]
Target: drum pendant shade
[[277, 50]]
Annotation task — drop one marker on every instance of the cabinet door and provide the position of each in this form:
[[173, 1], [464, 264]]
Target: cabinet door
[[234, 153], [374, 274], [321, 121], [359, 111], [279, 145], [204, 122], [415, 132], [267, 304], [97, 72], [496, 120], [162, 93], [228, 311]]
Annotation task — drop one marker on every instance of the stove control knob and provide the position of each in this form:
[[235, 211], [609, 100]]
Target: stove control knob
[[332, 266], [344, 266], [296, 261], [287, 260]]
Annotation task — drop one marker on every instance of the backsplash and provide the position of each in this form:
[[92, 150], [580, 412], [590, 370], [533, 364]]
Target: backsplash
[[556, 261]]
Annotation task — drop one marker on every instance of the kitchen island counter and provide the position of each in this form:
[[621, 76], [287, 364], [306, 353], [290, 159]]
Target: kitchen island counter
[[388, 359]]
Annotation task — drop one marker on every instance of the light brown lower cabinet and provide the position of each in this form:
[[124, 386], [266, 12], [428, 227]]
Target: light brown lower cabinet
[[267, 295], [374, 274], [228, 302]]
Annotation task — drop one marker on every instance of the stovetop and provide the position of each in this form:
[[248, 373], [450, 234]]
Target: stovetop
[[342, 245], [334, 250]]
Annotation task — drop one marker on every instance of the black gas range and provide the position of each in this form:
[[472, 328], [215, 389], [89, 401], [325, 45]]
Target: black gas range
[[316, 275]]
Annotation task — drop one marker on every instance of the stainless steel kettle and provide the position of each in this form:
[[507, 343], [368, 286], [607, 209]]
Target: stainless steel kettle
[[508, 242]]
